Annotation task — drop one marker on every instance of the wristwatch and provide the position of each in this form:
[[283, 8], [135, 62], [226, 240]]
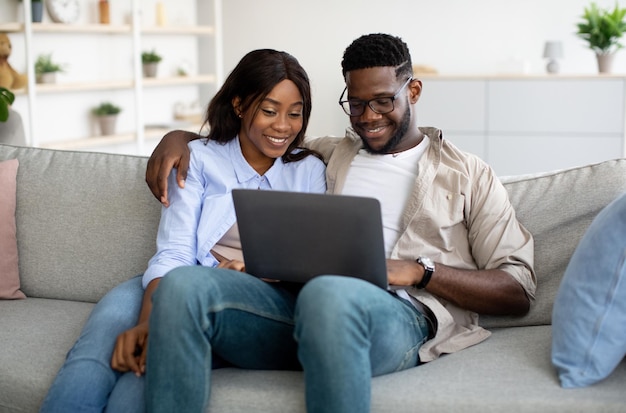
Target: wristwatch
[[429, 269]]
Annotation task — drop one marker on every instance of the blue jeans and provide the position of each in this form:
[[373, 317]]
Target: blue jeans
[[86, 382], [340, 330]]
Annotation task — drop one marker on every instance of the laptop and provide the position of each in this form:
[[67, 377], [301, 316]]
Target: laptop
[[295, 236]]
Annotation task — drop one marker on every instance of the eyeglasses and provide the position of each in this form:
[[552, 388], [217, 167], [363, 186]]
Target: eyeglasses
[[380, 105]]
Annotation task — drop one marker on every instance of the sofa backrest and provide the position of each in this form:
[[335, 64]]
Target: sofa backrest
[[557, 207], [85, 221]]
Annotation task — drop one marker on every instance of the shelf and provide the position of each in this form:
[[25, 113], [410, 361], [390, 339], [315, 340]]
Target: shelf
[[15, 27], [91, 142], [82, 87], [169, 30], [157, 132], [80, 28], [45, 88], [178, 80], [11, 27], [151, 132]]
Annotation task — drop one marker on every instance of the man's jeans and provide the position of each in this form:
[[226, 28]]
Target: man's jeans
[[86, 382], [341, 330]]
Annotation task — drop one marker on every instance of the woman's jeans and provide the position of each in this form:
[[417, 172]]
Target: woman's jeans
[[340, 330], [86, 382]]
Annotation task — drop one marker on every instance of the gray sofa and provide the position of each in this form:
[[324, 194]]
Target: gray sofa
[[87, 221]]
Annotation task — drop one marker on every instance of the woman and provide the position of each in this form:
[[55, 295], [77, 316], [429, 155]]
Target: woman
[[257, 122]]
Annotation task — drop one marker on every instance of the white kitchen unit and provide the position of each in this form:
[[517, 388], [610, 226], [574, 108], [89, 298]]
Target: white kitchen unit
[[528, 124]]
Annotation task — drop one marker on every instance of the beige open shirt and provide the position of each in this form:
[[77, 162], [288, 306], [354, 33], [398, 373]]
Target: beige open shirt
[[459, 215]]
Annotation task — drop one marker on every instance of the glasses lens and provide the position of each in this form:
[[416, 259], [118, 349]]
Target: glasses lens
[[382, 105], [355, 108]]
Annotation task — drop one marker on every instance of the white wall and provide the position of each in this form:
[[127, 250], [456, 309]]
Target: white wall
[[454, 36]]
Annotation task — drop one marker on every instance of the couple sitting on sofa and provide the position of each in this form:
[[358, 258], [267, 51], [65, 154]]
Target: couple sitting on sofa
[[206, 312]]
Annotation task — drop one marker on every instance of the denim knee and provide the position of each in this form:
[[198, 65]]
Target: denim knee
[[318, 294], [121, 305]]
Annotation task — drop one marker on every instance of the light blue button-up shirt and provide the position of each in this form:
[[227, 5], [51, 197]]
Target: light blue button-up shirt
[[201, 213]]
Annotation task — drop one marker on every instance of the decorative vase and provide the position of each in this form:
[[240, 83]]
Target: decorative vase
[[37, 11], [103, 12], [605, 61], [150, 69], [107, 124]]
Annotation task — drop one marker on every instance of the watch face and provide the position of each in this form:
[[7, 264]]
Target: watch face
[[427, 262], [63, 11]]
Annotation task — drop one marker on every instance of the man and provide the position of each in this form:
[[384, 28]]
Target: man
[[454, 246]]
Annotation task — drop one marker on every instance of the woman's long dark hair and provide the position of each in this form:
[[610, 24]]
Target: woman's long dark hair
[[256, 74]]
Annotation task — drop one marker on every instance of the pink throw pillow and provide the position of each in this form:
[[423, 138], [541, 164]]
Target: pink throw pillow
[[9, 271]]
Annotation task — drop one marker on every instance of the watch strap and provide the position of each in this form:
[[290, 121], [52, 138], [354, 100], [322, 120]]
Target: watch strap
[[428, 273]]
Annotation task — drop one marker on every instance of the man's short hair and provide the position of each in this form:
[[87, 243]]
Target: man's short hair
[[378, 50]]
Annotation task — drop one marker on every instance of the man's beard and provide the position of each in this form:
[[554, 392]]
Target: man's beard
[[395, 139]]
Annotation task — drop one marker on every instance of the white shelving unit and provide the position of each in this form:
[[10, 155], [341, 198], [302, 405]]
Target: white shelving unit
[[58, 115]]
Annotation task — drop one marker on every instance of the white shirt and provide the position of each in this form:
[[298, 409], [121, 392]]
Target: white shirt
[[393, 176]]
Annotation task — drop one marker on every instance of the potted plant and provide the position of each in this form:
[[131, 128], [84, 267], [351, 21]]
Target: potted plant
[[602, 29], [150, 61], [6, 99], [46, 69], [106, 113]]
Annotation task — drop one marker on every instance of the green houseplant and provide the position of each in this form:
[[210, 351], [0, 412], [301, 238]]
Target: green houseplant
[[106, 114], [106, 108], [150, 61], [46, 69], [603, 29], [6, 99]]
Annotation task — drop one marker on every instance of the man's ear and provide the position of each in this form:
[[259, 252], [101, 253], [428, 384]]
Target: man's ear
[[415, 86]]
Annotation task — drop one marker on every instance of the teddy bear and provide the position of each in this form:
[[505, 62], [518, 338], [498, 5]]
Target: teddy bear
[[9, 77]]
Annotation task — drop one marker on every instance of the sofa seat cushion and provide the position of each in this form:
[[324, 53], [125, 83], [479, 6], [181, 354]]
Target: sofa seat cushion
[[509, 372], [35, 336]]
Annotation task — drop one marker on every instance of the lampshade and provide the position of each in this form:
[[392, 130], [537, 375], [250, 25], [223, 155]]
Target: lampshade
[[553, 50]]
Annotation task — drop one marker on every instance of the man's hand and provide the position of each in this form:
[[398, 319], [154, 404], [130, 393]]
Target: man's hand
[[130, 350], [171, 152], [491, 291], [404, 272]]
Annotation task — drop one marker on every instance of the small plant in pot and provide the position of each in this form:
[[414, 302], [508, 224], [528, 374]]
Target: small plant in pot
[[603, 29], [150, 61], [46, 69], [106, 113]]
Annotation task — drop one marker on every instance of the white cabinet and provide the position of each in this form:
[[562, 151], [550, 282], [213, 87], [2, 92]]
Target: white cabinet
[[102, 62], [532, 123]]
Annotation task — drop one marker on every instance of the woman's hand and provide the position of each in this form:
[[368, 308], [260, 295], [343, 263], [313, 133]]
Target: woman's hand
[[232, 265], [130, 350]]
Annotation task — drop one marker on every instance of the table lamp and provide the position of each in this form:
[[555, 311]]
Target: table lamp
[[552, 51]]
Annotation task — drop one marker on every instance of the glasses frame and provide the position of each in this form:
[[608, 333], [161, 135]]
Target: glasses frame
[[369, 102]]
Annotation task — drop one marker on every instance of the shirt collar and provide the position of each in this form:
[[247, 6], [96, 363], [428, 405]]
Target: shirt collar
[[245, 172]]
